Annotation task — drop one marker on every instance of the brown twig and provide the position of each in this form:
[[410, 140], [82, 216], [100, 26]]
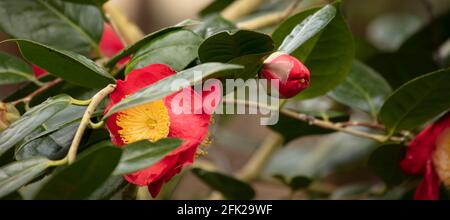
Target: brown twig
[[362, 124], [339, 127], [86, 121], [38, 91]]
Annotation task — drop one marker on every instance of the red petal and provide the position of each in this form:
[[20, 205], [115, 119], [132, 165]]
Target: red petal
[[110, 43], [191, 126], [421, 148], [428, 189], [38, 72], [136, 80]]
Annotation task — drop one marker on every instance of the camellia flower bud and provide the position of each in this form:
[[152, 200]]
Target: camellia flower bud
[[293, 76], [8, 114]]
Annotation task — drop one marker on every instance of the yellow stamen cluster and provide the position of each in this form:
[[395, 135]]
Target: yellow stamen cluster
[[150, 121]]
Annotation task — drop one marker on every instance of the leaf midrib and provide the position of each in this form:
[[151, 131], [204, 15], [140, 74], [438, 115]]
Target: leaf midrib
[[71, 23]]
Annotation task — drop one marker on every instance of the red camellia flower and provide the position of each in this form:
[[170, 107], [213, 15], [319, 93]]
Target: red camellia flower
[[159, 119], [109, 45], [428, 155], [292, 75]]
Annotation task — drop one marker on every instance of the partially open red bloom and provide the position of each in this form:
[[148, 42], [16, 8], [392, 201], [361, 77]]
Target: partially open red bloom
[[419, 159], [109, 45], [156, 120], [292, 75]]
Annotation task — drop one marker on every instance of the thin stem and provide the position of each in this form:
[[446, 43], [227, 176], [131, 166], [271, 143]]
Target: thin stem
[[338, 127], [269, 19], [362, 124], [38, 91], [128, 32], [96, 125], [80, 102], [85, 121], [55, 163], [240, 8], [253, 167], [342, 127]]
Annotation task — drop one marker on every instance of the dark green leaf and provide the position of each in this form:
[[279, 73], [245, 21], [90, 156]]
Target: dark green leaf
[[296, 182], [113, 185], [13, 196], [385, 162], [176, 49], [214, 24], [215, 7], [363, 89], [252, 64], [53, 145], [144, 41], [67, 26], [230, 187], [82, 178], [224, 46], [31, 120], [72, 67], [13, 70], [292, 129], [328, 55], [170, 85], [417, 102], [308, 28], [143, 154], [15, 175]]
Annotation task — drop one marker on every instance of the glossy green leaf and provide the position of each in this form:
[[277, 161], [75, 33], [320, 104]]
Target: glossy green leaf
[[31, 120], [417, 102], [110, 187], [214, 24], [252, 63], [176, 49], [82, 178], [170, 85], [72, 67], [363, 89], [230, 187], [144, 41], [15, 175], [143, 154], [63, 25], [328, 55], [292, 129], [224, 46], [53, 145], [308, 28], [13, 70], [385, 162]]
